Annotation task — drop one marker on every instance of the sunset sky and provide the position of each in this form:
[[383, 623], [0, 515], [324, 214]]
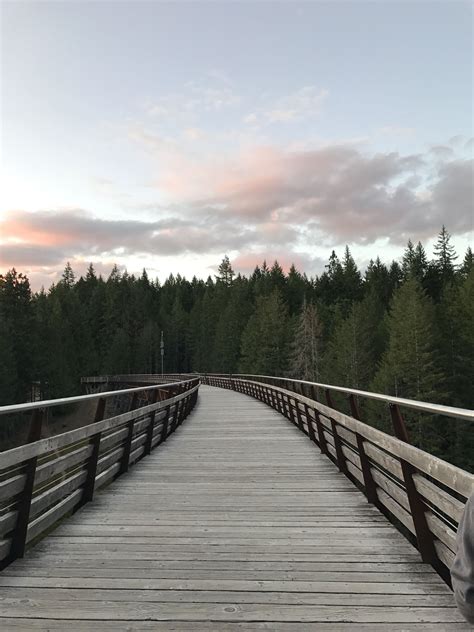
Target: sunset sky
[[164, 135]]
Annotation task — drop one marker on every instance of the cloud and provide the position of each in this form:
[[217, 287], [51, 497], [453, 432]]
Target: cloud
[[339, 191], [263, 202], [304, 103], [30, 255], [212, 93]]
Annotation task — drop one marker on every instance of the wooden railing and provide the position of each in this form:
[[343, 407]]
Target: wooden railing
[[421, 493], [47, 478], [92, 384]]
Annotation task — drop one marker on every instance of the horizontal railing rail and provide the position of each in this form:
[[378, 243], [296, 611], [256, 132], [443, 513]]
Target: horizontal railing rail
[[78, 399], [310, 389], [48, 478], [137, 378], [422, 494]]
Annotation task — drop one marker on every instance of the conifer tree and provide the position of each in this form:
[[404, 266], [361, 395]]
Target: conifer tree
[[410, 366], [265, 339], [468, 262], [305, 358], [445, 255], [226, 273], [356, 345]]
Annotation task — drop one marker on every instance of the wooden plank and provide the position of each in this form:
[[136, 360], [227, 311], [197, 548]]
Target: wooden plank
[[439, 498], [46, 520], [57, 492], [50, 469], [12, 486], [45, 624]]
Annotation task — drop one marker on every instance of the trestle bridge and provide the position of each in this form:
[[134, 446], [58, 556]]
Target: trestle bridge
[[222, 503]]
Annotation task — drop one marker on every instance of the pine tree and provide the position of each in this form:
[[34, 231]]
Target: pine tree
[[415, 262], [68, 278], [408, 259], [8, 368], [356, 345], [298, 289], [265, 339], [377, 281], [468, 262], [351, 278], [445, 255], [305, 358], [226, 273], [17, 314], [118, 357], [230, 326], [410, 366]]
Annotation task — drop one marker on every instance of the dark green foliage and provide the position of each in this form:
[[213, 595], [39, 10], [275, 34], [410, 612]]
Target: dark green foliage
[[400, 329], [266, 337], [306, 349]]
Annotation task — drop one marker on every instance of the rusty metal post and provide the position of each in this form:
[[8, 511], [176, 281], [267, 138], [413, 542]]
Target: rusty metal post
[[309, 422], [424, 536], [341, 459], [323, 445]]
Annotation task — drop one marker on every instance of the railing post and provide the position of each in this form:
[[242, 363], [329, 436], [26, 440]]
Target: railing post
[[328, 396], [151, 426], [127, 450], [20, 533], [36, 425], [309, 423], [354, 407], [323, 445], [164, 429], [424, 536], [298, 415], [341, 459], [369, 483], [88, 493]]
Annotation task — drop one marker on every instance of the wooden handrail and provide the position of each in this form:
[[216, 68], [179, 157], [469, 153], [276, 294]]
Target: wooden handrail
[[65, 401], [46, 479], [436, 409], [422, 494]]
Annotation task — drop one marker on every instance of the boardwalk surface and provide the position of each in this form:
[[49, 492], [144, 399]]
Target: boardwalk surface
[[236, 523]]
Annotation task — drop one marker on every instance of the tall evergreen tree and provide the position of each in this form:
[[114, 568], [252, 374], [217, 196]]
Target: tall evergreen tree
[[445, 255], [226, 273], [265, 339], [305, 358], [410, 367]]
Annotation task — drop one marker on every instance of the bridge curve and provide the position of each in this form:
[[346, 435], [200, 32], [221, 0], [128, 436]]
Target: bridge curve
[[237, 522]]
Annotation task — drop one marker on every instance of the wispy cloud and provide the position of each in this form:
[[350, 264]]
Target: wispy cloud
[[303, 104]]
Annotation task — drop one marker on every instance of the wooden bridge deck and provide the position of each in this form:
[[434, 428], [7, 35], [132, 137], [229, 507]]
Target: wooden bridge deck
[[235, 523]]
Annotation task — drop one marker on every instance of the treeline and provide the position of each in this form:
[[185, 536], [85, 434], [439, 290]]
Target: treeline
[[405, 329]]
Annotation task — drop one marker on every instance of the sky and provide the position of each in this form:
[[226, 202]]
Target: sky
[[165, 135]]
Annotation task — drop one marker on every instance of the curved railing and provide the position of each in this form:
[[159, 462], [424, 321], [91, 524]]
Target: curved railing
[[421, 493], [48, 477]]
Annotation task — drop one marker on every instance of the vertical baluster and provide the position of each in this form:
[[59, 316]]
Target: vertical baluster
[[151, 426], [20, 533], [341, 460], [309, 423], [323, 445], [424, 536], [127, 449], [89, 484]]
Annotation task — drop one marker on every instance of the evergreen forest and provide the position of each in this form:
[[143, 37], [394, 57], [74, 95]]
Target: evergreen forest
[[404, 329]]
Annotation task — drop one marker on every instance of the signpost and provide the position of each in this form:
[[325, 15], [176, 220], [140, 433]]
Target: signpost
[[162, 349]]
